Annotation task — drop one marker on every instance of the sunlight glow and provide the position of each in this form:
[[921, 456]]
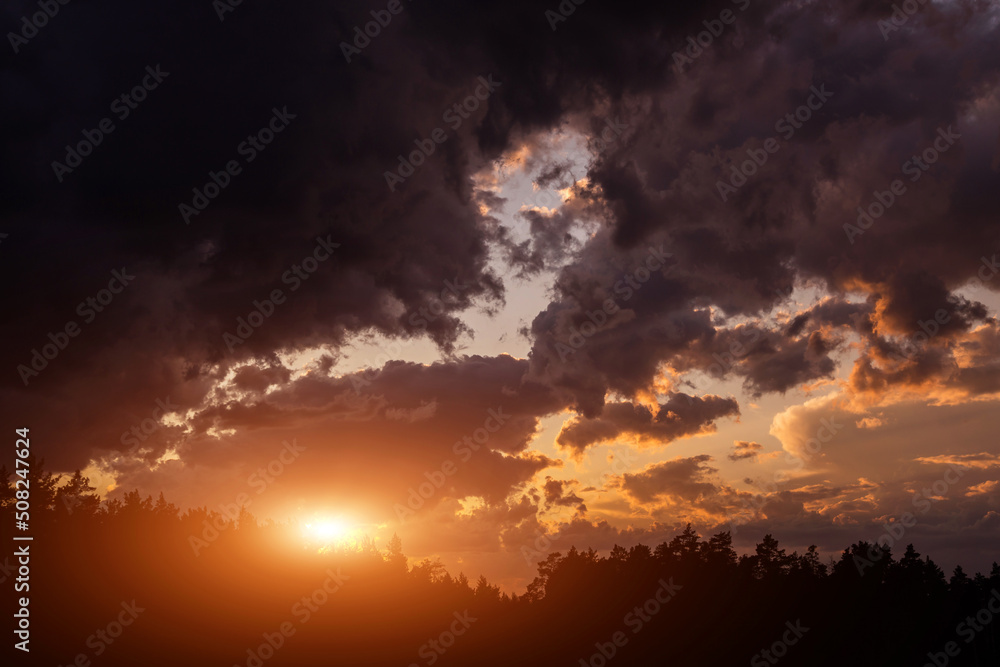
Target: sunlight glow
[[329, 532]]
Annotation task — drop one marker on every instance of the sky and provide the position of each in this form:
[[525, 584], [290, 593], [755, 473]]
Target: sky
[[505, 278]]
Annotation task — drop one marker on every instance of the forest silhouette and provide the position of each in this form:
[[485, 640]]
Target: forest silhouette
[[123, 583]]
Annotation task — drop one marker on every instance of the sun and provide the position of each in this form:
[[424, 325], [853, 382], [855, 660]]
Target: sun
[[328, 531]]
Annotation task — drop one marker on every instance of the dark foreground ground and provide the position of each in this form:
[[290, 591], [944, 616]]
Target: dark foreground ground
[[122, 585]]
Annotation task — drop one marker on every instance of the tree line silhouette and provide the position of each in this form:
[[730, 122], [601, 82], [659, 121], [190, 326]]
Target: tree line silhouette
[[255, 595]]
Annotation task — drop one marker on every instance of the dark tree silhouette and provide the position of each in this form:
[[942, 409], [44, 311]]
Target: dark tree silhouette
[[216, 590]]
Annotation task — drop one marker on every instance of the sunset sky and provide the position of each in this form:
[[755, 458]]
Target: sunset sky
[[569, 284]]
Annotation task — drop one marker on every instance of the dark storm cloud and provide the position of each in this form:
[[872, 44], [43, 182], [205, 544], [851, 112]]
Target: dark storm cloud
[[682, 415], [375, 434], [557, 174], [768, 360], [320, 178], [549, 246], [257, 379], [411, 259], [559, 493], [831, 312], [323, 176], [683, 478], [919, 297], [787, 220]]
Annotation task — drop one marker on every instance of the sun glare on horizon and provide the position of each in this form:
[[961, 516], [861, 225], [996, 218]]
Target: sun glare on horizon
[[329, 532]]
